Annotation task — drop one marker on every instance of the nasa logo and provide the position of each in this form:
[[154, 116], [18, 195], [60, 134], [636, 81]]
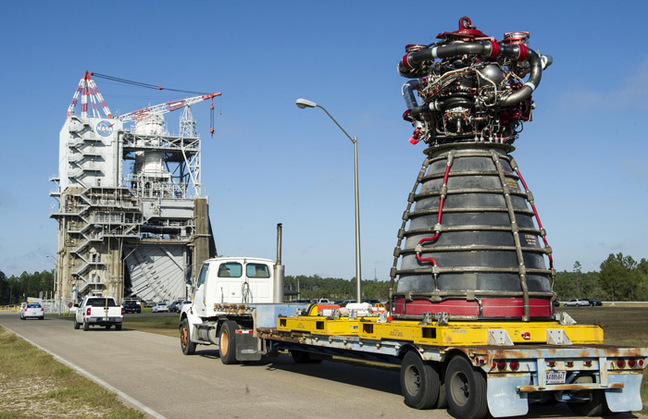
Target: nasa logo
[[104, 128]]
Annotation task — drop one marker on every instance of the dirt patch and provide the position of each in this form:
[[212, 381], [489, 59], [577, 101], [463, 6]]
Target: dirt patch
[[33, 397]]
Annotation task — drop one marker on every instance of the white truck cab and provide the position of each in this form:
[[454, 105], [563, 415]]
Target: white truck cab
[[233, 280]]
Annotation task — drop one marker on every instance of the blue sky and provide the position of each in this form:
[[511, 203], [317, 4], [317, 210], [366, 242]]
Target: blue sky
[[584, 156]]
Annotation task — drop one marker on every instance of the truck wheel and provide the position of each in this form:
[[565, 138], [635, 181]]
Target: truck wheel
[[465, 390], [591, 403], [108, 326], [419, 382], [86, 326], [76, 324], [302, 357], [227, 342], [187, 346], [118, 327]]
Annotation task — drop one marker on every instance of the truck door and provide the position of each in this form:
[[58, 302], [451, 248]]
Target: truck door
[[200, 295]]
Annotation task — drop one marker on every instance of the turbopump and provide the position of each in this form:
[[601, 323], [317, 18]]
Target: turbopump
[[471, 86]]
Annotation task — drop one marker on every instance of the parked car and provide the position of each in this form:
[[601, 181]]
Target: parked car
[[32, 310], [160, 308], [176, 306], [132, 307], [593, 302], [577, 303]]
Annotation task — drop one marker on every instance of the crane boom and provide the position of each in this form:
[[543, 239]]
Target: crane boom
[[163, 108]]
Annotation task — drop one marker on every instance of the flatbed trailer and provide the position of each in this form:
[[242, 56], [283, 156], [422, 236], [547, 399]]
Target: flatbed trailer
[[473, 368]]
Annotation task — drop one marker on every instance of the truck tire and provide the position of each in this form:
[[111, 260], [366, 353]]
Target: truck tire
[[187, 346], [86, 326], [227, 342], [420, 383], [118, 327], [108, 326], [76, 324], [465, 390]]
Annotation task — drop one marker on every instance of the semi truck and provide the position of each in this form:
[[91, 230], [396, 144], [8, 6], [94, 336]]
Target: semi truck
[[472, 368], [471, 318]]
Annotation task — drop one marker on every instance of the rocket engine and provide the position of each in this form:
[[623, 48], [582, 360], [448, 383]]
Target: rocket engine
[[469, 247]]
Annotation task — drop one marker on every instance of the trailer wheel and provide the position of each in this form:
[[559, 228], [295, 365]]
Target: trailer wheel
[[592, 402], [227, 342], [419, 382], [187, 346], [465, 390]]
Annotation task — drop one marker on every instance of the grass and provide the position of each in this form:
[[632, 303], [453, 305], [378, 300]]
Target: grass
[[36, 385], [152, 323]]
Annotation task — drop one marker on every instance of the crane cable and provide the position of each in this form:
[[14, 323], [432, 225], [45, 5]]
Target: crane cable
[[141, 84], [155, 87]]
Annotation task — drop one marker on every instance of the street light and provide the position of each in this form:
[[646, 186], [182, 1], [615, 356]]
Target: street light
[[55, 287], [303, 104]]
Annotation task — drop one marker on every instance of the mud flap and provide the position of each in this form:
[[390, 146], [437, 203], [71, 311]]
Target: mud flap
[[627, 399], [504, 399], [247, 346]]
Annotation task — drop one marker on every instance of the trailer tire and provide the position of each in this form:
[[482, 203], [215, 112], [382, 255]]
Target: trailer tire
[[465, 390], [227, 342], [187, 346], [420, 383], [593, 403]]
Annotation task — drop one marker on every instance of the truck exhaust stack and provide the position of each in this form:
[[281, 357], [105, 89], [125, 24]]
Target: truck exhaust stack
[[278, 296]]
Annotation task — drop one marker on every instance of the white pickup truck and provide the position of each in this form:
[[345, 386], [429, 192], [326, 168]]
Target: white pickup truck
[[99, 311]]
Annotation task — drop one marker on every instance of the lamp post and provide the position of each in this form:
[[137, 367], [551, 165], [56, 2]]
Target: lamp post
[[55, 285], [303, 104]]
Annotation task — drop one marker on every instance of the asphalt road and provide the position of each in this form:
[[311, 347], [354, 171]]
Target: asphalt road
[[150, 372]]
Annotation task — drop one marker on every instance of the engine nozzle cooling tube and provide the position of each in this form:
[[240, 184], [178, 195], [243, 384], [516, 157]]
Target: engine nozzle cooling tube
[[487, 50]]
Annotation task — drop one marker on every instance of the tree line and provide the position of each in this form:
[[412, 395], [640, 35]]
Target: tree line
[[620, 278], [314, 286], [16, 289]]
